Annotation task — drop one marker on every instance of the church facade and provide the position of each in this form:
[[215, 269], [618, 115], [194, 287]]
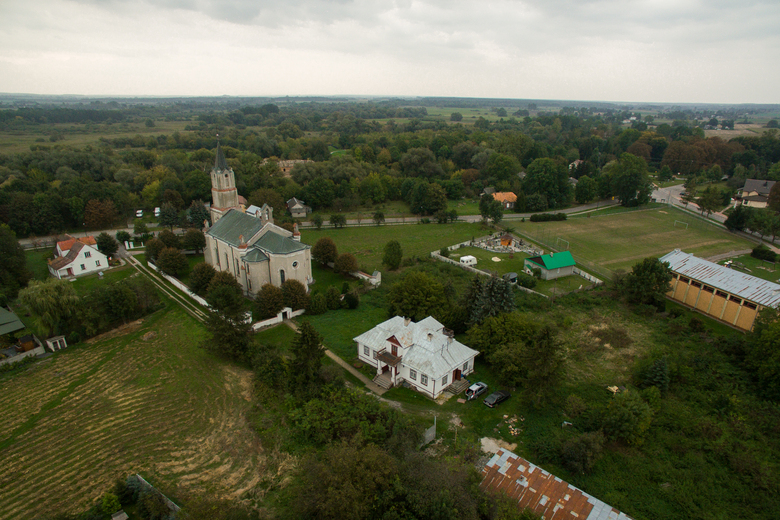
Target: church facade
[[251, 246]]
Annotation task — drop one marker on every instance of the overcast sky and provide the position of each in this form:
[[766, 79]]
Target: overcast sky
[[717, 51]]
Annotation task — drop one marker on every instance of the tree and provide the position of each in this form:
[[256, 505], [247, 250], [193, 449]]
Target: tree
[[488, 297], [169, 215], [52, 301], [648, 282], [393, 255], [457, 116], [763, 356], [153, 248], [379, 218], [294, 293], [490, 209], [417, 295], [333, 298], [773, 201], [107, 244], [586, 190], [427, 199], [13, 269], [338, 220], [226, 323], [317, 304], [110, 504], [122, 236], [268, 196], [172, 262], [225, 278], [197, 214], [168, 238], [317, 220], [550, 179], [194, 239], [324, 251], [307, 353], [99, 214], [580, 453], [710, 200], [269, 300], [345, 264], [139, 228], [200, 278], [630, 182], [738, 220], [543, 360], [665, 174], [627, 418]]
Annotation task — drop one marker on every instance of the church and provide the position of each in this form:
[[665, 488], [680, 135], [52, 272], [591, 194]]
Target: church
[[249, 245]]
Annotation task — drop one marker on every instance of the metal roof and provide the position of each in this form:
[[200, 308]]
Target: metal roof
[[728, 280], [255, 255], [543, 492], [220, 164], [429, 352], [554, 260], [9, 322], [274, 243], [233, 225]]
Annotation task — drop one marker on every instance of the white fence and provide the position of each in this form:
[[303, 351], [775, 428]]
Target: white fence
[[176, 283], [37, 351], [285, 314], [588, 277]]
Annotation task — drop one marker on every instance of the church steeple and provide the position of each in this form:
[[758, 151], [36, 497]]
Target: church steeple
[[224, 194]]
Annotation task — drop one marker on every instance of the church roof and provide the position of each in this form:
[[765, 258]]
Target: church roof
[[220, 163], [233, 225], [255, 255], [278, 244]]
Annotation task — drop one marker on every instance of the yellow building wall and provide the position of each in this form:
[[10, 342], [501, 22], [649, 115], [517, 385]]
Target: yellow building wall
[[690, 298], [704, 301], [717, 306], [731, 312], [746, 318]]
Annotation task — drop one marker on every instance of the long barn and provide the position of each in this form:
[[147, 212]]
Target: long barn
[[719, 292]]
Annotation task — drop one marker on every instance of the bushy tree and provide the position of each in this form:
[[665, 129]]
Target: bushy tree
[[739, 218], [52, 301], [200, 278], [629, 180], [490, 209], [648, 282], [13, 268], [338, 220], [324, 251], [352, 299], [317, 221], [194, 239], [122, 236], [586, 190], [270, 301], [317, 304], [627, 418], [417, 295], [581, 452], [345, 264], [307, 353], [294, 293], [197, 214], [107, 244], [379, 218], [488, 296], [169, 215], [392, 255], [333, 298], [226, 323], [172, 262], [168, 238], [543, 361]]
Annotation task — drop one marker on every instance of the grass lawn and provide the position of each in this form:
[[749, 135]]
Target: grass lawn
[[161, 407], [192, 261], [36, 263], [393, 208], [280, 336], [324, 277], [619, 241], [367, 243], [464, 206], [755, 267]]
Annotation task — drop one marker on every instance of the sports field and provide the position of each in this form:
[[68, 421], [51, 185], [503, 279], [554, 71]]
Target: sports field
[[619, 241], [161, 407]]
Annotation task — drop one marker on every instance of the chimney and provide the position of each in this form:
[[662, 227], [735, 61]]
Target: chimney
[[430, 337], [406, 321]]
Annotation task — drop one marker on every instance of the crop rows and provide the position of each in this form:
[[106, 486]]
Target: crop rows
[[162, 408]]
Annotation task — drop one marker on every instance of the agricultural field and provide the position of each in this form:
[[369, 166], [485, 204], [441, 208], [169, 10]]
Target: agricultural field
[[127, 403], [618, 242]]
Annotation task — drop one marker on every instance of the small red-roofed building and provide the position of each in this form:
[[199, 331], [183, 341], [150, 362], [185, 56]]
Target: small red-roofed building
[[506, 198]]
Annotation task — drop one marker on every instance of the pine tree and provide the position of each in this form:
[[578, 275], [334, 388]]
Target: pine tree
[[307, 353]]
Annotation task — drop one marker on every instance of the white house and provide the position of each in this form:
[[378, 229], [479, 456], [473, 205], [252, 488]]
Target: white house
[[77, 257], [422, 354]]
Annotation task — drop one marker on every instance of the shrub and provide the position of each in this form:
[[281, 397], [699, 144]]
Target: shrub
[[317, 304], [547, 217], [122, 236], [270, 301], [345, 264], [763, 253], [333, 298], [352, 299], [324, 251], [294, 294], [345, 288], [169, 239], [579, 454], [526, 280], [200, 278], [445, 252], [171, 261], [153, 248]]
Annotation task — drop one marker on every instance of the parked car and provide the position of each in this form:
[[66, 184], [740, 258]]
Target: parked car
[[474, 390], [496, 398], [139, 213], [156, 212]]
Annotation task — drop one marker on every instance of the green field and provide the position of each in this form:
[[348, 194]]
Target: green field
[[367, 243], [619, 241], [161, 407], [755, 267]]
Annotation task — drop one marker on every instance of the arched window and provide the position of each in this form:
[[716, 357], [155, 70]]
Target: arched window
[[281, 275]]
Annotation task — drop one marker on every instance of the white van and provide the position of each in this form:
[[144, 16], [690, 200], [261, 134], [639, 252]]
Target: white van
[[139, 213], [468, 260], [157, 212]]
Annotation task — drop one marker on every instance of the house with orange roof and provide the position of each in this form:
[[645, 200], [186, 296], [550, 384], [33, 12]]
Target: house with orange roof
[[77, 257], [506, 198]]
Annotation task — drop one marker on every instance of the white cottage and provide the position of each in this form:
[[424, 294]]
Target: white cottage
[[77, 257], [422, 354]]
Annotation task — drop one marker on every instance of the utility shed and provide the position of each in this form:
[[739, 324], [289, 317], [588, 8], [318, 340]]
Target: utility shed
[[719, 292], [554, 265], [542, 492]]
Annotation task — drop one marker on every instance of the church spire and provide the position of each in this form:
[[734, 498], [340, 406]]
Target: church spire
[[220, 163]]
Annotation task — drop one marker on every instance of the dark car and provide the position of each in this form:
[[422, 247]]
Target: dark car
[[496, 398], [475, 390]]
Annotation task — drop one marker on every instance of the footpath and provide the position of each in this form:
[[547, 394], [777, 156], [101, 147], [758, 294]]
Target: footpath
[[378, 390]]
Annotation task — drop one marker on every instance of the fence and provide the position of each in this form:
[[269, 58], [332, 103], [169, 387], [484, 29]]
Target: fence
[[285, 314], [37, 351], [171, 505], [429, 434], [176, 283]]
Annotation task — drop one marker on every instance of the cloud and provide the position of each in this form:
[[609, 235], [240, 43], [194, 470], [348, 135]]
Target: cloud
[[654, 50]]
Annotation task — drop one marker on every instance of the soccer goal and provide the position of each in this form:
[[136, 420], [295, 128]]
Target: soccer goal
[[558, 241], [681, 223]]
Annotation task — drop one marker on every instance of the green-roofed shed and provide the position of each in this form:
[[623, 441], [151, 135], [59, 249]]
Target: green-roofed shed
[[554, 265]]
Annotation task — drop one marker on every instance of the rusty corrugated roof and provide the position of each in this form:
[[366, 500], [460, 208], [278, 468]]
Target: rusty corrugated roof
[[728, 280], [543, 492]]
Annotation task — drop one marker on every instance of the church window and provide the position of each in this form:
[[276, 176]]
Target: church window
[[281, 275]]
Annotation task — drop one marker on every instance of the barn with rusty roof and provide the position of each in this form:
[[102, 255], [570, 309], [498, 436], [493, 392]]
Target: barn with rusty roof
[[719, 292], [542, 492]]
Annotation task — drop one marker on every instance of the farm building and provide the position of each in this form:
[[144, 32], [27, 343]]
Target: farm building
[[719, 292], [554, 265], [77, 257], [424, 355], [297, 208], [506, 198], [541, 491]]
